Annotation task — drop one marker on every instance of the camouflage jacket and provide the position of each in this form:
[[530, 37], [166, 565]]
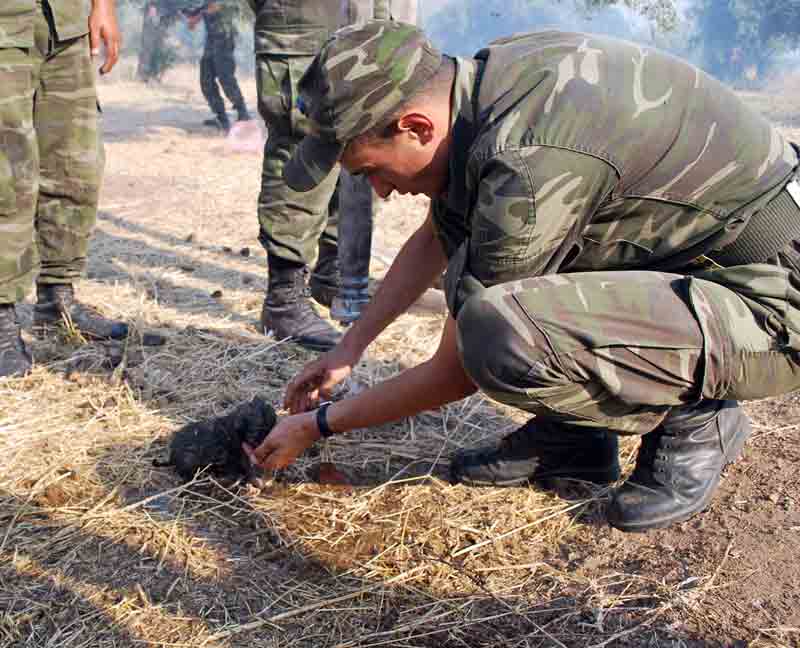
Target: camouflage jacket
[[353, 11], [300, 27], [71, 19], [573, 152]]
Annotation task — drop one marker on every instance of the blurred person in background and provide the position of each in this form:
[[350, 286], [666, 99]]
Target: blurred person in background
[[218, 63]]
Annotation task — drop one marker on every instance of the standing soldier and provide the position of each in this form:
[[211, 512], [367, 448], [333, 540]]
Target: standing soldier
[[51, 161], [218, 62], [288, 34]]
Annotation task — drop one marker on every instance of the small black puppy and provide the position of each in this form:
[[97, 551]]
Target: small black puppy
[[216, 443]]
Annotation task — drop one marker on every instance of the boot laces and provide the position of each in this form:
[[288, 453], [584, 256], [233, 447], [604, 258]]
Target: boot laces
[[651, 462], [9, 326]]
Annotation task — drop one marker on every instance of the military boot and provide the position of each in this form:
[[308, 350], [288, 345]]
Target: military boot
[[288, 312], [220, 122], [15, 360], [325, 280], [540, 450], [679, 465], [56, 308]]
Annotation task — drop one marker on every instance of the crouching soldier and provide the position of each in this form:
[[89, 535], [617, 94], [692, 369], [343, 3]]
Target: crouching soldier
[[622, 242]]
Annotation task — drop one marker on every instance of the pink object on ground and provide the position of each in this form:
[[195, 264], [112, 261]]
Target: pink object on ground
[[245, 137]]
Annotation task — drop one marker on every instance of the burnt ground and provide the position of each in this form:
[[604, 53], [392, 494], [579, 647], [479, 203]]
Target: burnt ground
[[100, 549]]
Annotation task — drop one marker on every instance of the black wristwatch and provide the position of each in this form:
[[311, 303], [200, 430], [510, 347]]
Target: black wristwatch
[[322, 420]]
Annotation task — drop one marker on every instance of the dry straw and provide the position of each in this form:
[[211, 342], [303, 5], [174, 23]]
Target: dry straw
[[100, 549]]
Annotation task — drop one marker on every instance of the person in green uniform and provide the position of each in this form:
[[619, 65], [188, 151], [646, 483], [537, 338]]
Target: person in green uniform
[[218, 63], [622, 242], [297, 227], [51, 162]]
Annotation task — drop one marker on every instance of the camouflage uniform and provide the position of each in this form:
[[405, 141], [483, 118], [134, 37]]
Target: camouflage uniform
[[51, 157], [588, 228], [218, 62], [354, 11], [288, 34], [623, 232]]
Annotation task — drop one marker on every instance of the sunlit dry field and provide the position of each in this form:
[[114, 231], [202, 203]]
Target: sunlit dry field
[[98, 548]]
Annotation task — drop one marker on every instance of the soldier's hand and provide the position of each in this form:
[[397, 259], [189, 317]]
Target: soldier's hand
[[318, 379], [103, 27], [288, 440]]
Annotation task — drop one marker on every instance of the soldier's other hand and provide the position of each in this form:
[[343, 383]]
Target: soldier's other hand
[[318, 379], [291, 437], [103, 27]]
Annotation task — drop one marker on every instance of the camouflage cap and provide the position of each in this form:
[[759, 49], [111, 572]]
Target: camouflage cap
[[362, 74]]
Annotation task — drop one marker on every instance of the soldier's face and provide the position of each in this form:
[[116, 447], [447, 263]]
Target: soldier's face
[[412, 160]]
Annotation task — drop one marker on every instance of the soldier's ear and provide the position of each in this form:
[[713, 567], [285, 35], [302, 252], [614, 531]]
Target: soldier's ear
[[418, 125]]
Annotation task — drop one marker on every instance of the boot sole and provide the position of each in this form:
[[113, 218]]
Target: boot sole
[[601, 478], [660, 523], [312, 346], [45, 330]]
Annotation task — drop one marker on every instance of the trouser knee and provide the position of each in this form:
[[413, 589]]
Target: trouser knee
[[500, 351]]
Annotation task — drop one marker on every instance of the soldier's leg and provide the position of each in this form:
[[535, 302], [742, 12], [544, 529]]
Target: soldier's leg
[[356, 204], [224, 49], [71, 163], [633, 352], [325, 278], [209, 88], [290, 222], [19, 177]]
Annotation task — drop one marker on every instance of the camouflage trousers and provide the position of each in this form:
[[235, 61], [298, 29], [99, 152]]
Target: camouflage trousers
[[218, 64], [51, 161], [292, 224], [617, 350]]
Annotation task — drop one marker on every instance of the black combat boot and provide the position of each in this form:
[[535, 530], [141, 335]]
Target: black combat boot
[[242, 114], [56, 308], [15, 360], [679, 465], [220, 122], [540, 450], [288, 313], [325, 280]]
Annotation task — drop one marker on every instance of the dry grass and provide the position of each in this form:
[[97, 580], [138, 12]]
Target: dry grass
[[98, 548]]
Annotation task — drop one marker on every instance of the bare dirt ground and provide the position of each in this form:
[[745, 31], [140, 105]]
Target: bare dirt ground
[[99, 548]]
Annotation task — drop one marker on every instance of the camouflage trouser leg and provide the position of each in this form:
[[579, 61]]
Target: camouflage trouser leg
[[19, 176], [292, 224], [618, 349], [67, 122], [50, 161]]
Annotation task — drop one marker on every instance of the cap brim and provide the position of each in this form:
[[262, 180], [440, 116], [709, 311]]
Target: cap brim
[[311, 163]]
